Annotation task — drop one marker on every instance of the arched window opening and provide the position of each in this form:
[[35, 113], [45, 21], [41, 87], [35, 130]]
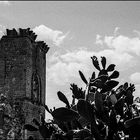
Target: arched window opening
[[36, 88]]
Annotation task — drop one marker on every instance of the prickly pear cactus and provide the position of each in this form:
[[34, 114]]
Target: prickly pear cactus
[[97, 112]]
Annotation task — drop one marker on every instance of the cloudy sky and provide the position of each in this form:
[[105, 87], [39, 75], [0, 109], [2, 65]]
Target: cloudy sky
[[75, 31]]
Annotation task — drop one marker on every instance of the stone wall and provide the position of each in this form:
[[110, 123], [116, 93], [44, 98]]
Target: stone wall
[[23, 72]]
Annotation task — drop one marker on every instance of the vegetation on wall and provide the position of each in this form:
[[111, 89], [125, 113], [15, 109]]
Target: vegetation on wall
[[11, 118]]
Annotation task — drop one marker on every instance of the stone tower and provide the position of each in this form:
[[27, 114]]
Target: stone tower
[[22, 78]]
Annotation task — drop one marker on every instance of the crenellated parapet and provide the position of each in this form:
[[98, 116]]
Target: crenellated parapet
[[20, 33], [26, 33], [43, 46]]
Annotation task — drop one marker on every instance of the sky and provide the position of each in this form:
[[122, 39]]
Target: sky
[[75, 31]]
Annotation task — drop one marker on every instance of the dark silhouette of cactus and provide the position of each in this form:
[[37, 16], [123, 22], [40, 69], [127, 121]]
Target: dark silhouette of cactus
[[102, 111]]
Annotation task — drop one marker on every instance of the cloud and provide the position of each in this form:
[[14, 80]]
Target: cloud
[[123, 61], [121, 43], [1, 33], [116, 31], [54, 37], [4, 3], [61, 72], [135, 77], [2, 30], [64, 67], [137, 91], [99, 41]]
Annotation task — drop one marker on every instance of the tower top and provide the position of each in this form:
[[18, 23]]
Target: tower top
[[25, 33]]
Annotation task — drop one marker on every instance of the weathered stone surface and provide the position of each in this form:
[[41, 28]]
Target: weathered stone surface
[[21, 57]]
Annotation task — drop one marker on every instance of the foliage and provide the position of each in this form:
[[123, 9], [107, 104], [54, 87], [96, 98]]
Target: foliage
[[100, 112], [11, 118]]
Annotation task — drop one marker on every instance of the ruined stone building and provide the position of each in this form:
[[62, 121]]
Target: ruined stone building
[[22, 81]]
